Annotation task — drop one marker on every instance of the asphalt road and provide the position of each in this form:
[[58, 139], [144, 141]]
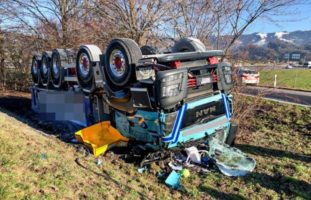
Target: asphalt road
[[290, 96]]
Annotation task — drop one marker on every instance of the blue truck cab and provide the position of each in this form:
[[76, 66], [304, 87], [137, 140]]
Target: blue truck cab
[[179, 98]]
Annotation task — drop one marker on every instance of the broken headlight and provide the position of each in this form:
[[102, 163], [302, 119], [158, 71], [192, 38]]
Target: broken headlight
[[171, 87], [170, 91]]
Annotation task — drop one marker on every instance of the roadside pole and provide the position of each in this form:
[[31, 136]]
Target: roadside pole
[[295, 79], [274, 84]]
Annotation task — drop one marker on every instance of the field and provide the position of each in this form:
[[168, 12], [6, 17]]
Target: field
[[36, 165], [287, 78]]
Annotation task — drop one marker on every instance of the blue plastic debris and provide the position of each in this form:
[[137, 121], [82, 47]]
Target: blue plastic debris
[[173, 180], [205, 160]]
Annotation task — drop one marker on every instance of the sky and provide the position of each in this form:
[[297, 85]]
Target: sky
[[297, 18]]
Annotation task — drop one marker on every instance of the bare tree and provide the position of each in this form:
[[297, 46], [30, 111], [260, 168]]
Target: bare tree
[[36, 25], [135, 18], [222, 21], [56, 21], [193, 18]]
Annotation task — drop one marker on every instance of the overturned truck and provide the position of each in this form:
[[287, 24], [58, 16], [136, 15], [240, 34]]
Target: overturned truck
[[161, 99]]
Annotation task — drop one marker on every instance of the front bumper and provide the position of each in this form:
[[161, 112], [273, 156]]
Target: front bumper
[[250, 81], [216, 117]]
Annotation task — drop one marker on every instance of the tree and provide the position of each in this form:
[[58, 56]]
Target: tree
[[223, 21], [55, 21], [203, 19], [136, 19]]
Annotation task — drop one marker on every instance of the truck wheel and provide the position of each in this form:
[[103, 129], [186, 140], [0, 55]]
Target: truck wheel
[[56, 73], [148, 50], [35, 71], [188, 44], [60, 57], [84, 67], [45, 68], [120, 60]]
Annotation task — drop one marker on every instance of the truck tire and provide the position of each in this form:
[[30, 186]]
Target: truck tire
[[121, 57], [45, 68], [60, 57], [56, 70], [148, 50], [87, 57], [35, 69], [188, 44]]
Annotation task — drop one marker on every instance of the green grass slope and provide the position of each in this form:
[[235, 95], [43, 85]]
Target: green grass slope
[[35, 166]]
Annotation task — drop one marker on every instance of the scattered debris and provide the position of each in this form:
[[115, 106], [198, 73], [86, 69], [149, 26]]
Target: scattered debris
[[142, 169], [193, 155], [175, 167], [74, 140], [201, 158], [229, 160], [99, 162], [185, 173], [173, 180], [100, 137], [43, 156]]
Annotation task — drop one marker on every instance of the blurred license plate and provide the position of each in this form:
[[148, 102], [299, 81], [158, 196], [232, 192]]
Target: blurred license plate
[[204, 80]]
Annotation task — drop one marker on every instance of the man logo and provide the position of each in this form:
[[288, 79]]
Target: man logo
[[205, 111]]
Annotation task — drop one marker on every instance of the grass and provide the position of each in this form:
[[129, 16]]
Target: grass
[[287, 78], [35, 166]]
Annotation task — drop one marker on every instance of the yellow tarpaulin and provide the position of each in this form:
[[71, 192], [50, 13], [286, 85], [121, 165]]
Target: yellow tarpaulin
[[100, 137]]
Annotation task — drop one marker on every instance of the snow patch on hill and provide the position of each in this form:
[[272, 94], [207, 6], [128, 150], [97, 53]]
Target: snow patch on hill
[[279, 35], [263, 39]]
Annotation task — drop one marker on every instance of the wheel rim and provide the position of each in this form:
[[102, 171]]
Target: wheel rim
[[84, 65], [44, 67], [117, 63], [55, 67], [35, 67]]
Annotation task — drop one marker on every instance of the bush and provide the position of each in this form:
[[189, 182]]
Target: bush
[[15, 79]]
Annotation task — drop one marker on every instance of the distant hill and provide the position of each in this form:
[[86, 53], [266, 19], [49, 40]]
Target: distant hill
[[273, 45], [298, 38]]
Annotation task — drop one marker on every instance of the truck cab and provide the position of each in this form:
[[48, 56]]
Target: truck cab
[[179, 98]]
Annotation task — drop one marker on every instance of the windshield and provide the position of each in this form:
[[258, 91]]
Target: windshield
[[249, 72]]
